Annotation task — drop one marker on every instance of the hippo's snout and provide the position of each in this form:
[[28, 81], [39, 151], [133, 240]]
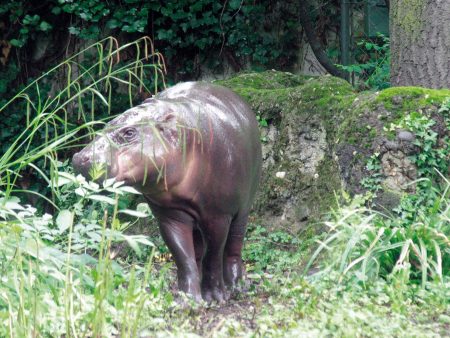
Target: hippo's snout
[[80, 158], [81, 163]]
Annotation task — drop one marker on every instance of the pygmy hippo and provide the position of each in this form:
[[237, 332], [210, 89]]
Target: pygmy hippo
[[194, 152]]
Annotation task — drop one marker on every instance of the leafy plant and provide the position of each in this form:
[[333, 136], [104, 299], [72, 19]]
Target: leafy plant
[[58, 276], [269, 250], [363, 245], [373, 182], [203, 32], [208, 30], [431, 161], [49, 270], [373, 67], [49, 120], [430, 157], [412, 245]]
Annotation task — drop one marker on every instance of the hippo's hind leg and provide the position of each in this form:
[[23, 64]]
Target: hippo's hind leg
[[177, 231], [233, 266], [215, 234], [199, 248]]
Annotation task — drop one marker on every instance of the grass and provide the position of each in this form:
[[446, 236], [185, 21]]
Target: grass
[[50, 113], [365, 245]]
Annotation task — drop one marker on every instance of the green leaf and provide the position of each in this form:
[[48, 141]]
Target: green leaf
[[74, 30], [64, 220], [113, 23], [129, 190], [56, 10], [60, 181], [17, 43], [102, 198], [134, 245], [134, 213], [235, 4], [45, 26], [13, 203]]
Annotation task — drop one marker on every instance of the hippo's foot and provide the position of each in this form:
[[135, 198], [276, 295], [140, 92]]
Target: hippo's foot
[[187, 301], [191, 287], [214, 291], [233, 272]]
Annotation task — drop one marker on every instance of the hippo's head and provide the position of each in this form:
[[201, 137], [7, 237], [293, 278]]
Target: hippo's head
[[135, 147]]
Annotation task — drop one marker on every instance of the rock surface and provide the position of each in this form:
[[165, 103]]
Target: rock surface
[[319, 137]]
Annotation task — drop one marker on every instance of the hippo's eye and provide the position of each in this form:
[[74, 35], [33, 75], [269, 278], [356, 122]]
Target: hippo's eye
[[129, 134]]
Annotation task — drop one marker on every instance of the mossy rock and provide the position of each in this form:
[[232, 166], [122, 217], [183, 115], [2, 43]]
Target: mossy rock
[[300, 174], [320, 136], [265, 80], [366, 131]]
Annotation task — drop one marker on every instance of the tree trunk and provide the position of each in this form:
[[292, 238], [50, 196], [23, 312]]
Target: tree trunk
[[314, 42], [420, 43]]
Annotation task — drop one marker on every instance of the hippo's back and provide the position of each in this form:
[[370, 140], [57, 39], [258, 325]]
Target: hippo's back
[[231, 141], [213, 100]]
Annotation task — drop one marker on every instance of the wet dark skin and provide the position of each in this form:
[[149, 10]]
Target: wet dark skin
[[194, 152]]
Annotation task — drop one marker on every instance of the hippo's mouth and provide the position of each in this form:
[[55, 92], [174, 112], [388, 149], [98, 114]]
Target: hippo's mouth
[[95, 171]]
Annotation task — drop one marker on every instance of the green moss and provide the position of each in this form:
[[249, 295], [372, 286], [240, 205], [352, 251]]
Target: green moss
[[407, 15], [411, 98], [270, 93], [329, 187], [367, 117], [265, 80]]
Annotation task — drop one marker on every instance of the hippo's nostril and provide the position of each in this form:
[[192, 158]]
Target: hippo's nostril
[[80, 162], [80, 158]]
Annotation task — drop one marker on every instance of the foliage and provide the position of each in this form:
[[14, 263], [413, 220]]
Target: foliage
[[432, 167], [373, 182], [431, 161], [101, 297], [414, 243], [84, 200], [53, 284], [367, 245], [430, 157], [58, 276], [190, 34], [373, 67], [56, 119], [206, 29], [269, 250], [129, 16]]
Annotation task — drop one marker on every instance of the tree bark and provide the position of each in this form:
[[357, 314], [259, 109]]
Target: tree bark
[[316, 46], [420, 43]]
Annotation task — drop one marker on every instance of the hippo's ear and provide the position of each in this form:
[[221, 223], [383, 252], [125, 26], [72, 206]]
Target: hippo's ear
[[167, 121], [167, 126], [170, 116]]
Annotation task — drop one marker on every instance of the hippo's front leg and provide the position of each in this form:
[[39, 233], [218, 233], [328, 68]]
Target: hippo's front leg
[[176, 229]]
